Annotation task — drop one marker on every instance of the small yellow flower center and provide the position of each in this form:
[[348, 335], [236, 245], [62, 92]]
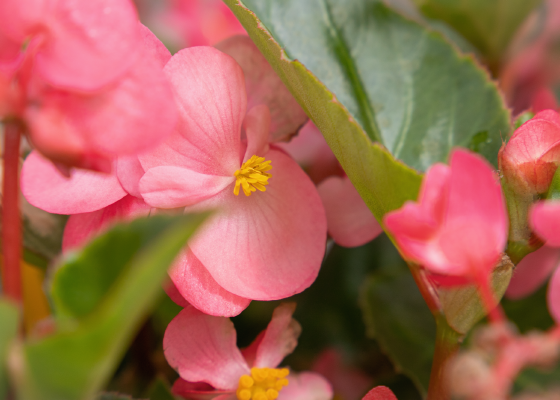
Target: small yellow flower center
[[252, 176], [262, 384]]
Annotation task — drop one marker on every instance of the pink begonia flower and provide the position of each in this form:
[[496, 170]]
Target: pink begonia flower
[[349, 220], [349, 383], [460, 208], [544, 219], [536, 65], [267, 238], [77, 83], [187, 23], [529, 159], [203, 350]]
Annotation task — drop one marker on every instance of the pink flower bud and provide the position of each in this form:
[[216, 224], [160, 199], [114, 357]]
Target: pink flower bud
[[530, 158]]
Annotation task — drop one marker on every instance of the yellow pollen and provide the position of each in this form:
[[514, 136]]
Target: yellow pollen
[[252, 176], [262, 384]]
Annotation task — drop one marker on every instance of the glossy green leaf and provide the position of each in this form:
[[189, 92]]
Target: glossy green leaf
[[9, 324], [76, 361], [396, 315], [488, 25]]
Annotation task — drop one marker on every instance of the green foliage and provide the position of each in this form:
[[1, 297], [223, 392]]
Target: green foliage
[[9, 317], [160, 391], [397, 316], [488, 25], [529, 313], [96, 322]]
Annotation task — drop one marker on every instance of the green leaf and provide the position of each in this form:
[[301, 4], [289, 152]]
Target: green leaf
[[488, 25], [113, 396], [76, 361], [9, 320], [529, 313], [397, 316]]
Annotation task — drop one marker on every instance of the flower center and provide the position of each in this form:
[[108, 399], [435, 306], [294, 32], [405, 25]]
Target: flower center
[[252, 176], [262, 384]]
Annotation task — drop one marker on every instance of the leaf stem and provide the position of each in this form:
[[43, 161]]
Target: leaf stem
[[447, 344], [11, 220]]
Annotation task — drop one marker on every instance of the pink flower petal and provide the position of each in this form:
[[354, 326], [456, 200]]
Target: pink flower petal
[[549, 115], [544, 218], [172, 187], [44, 187], [532, 272], [195, 284], [269, 245], [155, 48], [174, 295], [306, 386], [89, 43], [80, 228], [380, 393], [349, 220], [19, 16], [200, 391], [257, 126], [553, 296], [280, 337], [264, 86], [210, 91], [202, 348], [129, 171]]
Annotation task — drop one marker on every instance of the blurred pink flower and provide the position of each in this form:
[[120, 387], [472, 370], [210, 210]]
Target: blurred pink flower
[[380, 393], [186, 23], [70, 72], [349, 383], [460, 208], [544, 219], [203, 350], [265, 245], [529, 159]]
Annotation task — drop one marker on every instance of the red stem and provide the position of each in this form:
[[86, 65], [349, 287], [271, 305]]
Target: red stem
[[495, 312], [11, 220]]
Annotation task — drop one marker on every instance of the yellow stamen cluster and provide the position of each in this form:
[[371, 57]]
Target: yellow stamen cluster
[[262, 384], [252, 176]]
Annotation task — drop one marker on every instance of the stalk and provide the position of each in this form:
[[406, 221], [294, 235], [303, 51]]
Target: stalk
[[11, 219], [447, 344]]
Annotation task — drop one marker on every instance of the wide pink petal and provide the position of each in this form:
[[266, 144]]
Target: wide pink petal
[[82, 227], [89, 43], [269, 245], [44, 187], [349, 220], [380, 393], [210, 90], [306, 386], [532, 272], [20, 16], [257, 126], [544, 218], [202, 348], [434, 192], [280, 337], [549, 115], [174, 295], [129, 172], [172, 187], [553, 296], [476, 204], [195, 284], [264, 86]]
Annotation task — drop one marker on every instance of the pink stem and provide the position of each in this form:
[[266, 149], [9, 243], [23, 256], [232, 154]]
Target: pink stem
[[11, 220], [495, 312]]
